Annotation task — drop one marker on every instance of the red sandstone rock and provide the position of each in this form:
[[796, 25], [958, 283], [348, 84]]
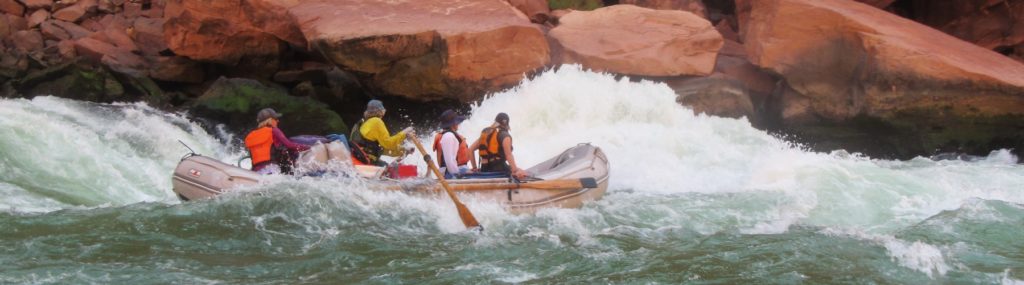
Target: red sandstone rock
[[149, 35], [132, 10], [426, 50], [119, 38], [226, 31], [37, 18], [66, 49], [37, 4], [536, 10], [75, 31], [176, 69], [881, 4], [752, 77], [632, 40], [107, 6], [92, 25], [12, 7], [848, 59], [155, 12], [27, 41], [692, 6], [51, 31], [5, 27], [556, 14], [71, 13], [93, 48], [16, 23], [118, 59], [993, 26]]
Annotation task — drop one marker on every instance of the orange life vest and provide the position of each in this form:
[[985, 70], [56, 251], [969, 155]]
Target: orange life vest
[[461, 158], [490, 144], [259, 142]]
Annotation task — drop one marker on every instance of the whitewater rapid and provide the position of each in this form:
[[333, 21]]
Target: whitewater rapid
[[673, 173]]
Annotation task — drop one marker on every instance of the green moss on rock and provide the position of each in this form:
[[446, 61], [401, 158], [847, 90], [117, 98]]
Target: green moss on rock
[[583, 5], [236, 101]]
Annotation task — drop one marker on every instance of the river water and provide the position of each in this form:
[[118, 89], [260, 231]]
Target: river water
[[693, 199]]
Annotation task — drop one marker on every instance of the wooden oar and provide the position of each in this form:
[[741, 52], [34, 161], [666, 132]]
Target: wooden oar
[[464, 213], [562, 184]]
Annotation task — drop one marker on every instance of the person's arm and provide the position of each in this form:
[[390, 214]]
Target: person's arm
[[279, 137], [507, 148], [450, 149], [472, 153], [376, 130]]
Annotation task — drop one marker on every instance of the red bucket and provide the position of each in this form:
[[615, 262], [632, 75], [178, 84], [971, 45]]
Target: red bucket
[[402, 171]]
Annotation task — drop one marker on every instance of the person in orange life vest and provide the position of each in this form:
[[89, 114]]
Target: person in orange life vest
[[264, 138], [370, 138], [495, 149], [451, 148]]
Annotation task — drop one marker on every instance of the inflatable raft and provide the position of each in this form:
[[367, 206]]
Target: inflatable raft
[[577, 175]]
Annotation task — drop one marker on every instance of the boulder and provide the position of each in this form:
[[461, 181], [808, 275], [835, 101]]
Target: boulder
[[426, 50], [27, 41], [759, 82], [235, 101], [176, 69], [880, 4], [536, 10], [51, 31], [119, 37], [117, 59], [37, 18], [148, 34], [12, 7], [848, 62], [74, 80], [5, 27], [227, 31], [997, 26], [632, 40], [852, 59], [71, 13], [132, 10], [692, 6], [37, 4], [16, 23], [66, 50], [714, 95], [75, 31]]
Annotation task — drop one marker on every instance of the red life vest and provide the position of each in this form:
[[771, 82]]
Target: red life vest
[[259, 142], [462, 157]]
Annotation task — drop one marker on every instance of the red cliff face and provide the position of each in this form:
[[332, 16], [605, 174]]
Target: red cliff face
[[632, 40], [846, 59], [227, 31], [426, 49]]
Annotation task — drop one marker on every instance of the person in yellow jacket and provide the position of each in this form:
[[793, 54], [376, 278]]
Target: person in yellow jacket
[[370, 137]]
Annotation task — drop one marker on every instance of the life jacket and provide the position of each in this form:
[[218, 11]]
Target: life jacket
[[259, 142], [491, 144], [461, 158], [262, 148], [363, 151]]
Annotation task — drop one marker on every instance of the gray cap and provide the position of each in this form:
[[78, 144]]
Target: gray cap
[[265, 114], [375, 105]]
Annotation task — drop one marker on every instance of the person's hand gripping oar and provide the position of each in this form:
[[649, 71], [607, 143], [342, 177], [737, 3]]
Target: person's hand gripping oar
[[464, 213]]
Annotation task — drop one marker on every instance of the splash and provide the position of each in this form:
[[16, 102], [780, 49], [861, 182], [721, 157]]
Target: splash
[[59, 153]]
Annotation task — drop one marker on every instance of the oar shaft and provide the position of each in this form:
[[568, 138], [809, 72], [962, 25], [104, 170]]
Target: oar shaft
[[464, 213]]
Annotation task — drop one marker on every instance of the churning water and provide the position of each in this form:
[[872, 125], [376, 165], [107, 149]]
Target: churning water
[[693, 199]]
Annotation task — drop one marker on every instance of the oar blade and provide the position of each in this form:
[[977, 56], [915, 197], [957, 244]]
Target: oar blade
[[467, 217], [588, 182]]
